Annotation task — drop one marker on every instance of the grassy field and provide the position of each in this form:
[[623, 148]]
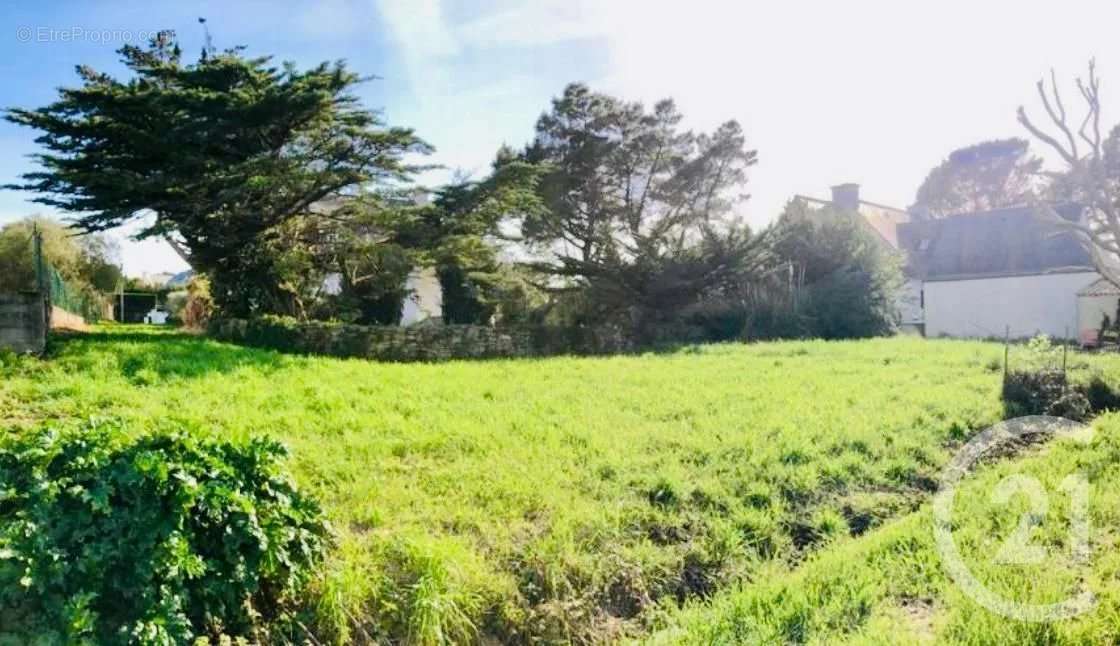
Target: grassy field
[[586, 500], [889, 586]]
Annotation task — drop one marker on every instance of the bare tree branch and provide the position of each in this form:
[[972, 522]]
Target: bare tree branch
[[1085, 176]]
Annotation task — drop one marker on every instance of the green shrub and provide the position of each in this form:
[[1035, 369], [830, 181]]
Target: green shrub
[[1071, 405], [163, 539], [1032, 392], [1102, 394], [1048, 392]]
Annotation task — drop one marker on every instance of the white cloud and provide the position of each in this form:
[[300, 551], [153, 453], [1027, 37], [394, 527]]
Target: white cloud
[[544, 22], [420, 29]]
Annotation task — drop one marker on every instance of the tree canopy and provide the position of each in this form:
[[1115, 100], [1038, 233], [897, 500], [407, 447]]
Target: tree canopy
[[88, 262], [981, 177], [636, 210], [222, 151], [293, 198], [848, 280]]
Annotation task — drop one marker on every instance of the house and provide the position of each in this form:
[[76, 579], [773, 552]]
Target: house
[[883, 222], [424, 300], [1004, 272], [1095, 302], [988, 274], [423, 293]]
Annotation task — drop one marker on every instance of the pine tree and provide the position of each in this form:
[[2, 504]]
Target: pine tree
[[222, 151]]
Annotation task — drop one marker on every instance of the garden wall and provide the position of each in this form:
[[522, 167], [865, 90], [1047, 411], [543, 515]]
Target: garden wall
[[419, 343], [23, 322]]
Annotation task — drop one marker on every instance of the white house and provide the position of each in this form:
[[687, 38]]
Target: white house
[[425, 297], [1002, 272], [988, 274]]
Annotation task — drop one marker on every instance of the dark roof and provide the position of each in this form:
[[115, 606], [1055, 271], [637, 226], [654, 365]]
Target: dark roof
[[1005, 242]]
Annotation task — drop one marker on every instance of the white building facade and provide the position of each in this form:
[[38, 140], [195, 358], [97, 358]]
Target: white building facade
[[1000, 272], [1021, 306]]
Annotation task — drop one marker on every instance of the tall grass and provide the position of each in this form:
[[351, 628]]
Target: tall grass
[[889, 587], [560, 499]]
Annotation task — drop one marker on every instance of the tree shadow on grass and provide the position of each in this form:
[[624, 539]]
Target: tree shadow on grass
[[147, 357]]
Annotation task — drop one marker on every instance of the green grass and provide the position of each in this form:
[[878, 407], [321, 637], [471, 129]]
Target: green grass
[[574, 499], [889, 587]]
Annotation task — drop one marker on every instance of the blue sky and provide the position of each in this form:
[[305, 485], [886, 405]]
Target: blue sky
[[865, 91]]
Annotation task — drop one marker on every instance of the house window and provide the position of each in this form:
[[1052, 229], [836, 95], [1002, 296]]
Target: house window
[[924, 244]]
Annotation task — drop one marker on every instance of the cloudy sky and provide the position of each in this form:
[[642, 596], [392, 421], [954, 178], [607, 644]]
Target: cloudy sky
[[828, 92]]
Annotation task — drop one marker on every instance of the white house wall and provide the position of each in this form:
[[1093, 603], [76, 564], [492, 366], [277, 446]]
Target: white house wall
[[985, 307], [425, 297]]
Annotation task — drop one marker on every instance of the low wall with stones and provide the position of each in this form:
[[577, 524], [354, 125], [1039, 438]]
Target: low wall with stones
[[23, 322], [419, 343]]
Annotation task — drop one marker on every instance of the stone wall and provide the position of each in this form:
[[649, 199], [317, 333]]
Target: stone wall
[[23, 322], [419, 343]]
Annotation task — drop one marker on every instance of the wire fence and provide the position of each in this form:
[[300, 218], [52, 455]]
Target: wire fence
[[60, 293]]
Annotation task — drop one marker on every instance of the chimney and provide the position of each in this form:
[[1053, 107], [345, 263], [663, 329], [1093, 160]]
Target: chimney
[[846, 196]]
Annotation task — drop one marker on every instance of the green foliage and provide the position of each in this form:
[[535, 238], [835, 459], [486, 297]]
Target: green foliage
[[1041, 382], [197, 306], [224, 151], [889, 585], [87, 262], [458, 234], [463, 299], [157, 540], [636, 213], [511, 499], [848, 280], [367, 245], [1033, 392], [980, 177]]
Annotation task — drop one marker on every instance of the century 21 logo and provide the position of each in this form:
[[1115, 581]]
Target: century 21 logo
[[1017, 548]]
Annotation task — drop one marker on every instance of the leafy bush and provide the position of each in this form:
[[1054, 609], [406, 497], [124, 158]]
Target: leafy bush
[[199, 306], [163, 539], [1031, 392], [1049, 392], [1071, 405], [1102, 394], [849, 281]]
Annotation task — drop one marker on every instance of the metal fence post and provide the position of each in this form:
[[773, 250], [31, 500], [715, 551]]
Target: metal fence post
[[41, 273], [1007, 345], [40, 266]]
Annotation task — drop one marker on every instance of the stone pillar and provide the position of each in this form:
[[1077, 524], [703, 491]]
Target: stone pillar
[[23, 322]]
